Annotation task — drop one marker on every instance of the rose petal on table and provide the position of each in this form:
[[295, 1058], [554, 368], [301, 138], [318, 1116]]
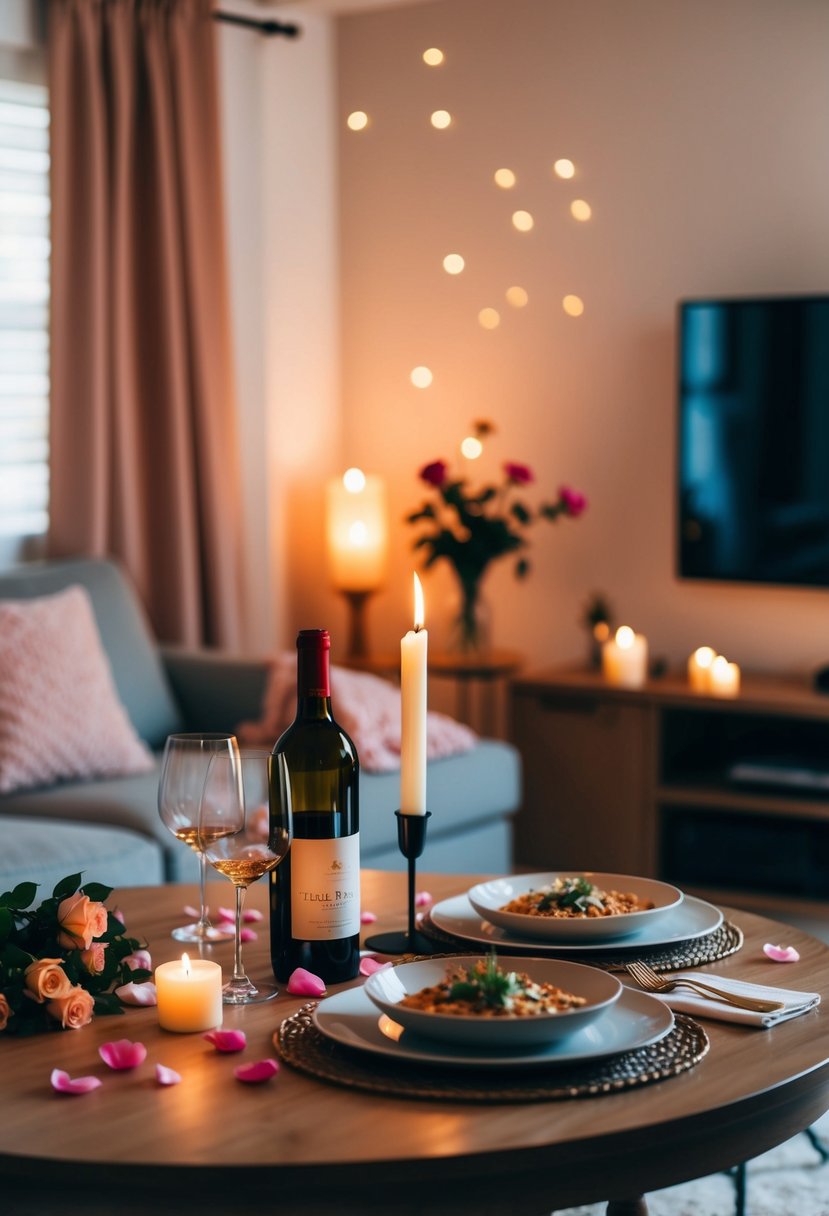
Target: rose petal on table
[[261, 1070], [781, 954], [138, 994], [305, 983], [122, 1054], [252, 915], [166, 1076], [368, 918], [369, 965], [190, 911], [139, 959], [64, 1084], [227, 1040], [248, 935], [226, 914], [423, 899]]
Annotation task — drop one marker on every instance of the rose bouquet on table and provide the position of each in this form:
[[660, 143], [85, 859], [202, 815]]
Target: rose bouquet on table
[[470, 527], [62, 961]]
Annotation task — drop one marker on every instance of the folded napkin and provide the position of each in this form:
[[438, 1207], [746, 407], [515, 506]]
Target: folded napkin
[[687, 1000]]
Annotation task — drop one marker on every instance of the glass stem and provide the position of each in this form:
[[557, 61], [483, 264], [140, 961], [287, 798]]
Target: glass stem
[[238, 969], [204, 922]]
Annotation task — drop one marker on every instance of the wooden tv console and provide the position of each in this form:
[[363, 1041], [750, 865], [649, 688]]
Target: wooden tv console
[[729, 798]]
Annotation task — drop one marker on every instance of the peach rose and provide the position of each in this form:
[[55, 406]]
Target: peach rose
[[5, 1012], [74, 1010], [81, 920], [46, 980], [94, 959]]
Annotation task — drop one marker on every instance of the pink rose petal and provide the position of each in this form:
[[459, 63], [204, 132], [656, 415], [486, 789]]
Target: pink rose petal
[[248, 935], [227, 1040], [305, 983], [369, 965], [190, 911], [252, 915], [423, 899], [122, 1054], [226, 914], [137, 994], [139, 959], [64, 1084], [368, 918], [262, 1070], [781, 954], [166, 1076]]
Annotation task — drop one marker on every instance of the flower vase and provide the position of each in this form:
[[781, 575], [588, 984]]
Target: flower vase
[[471, 628]]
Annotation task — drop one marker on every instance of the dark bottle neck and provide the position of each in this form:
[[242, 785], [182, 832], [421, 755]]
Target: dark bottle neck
[[313, 675]]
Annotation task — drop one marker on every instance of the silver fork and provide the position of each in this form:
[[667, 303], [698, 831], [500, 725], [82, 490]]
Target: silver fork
[[648, 979]]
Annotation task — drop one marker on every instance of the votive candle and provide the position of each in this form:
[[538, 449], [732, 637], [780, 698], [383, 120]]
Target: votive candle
[[724, 678], [699, 668], [189, 995], [625, 658]]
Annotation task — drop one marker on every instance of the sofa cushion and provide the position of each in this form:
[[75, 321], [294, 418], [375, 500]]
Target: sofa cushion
[[136, 666], [42, 851], [60, 716]]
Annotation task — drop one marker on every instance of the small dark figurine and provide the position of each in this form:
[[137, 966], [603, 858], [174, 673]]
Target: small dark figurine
[[597, 619]]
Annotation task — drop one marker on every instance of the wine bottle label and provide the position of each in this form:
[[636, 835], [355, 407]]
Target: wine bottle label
[[325, 888]]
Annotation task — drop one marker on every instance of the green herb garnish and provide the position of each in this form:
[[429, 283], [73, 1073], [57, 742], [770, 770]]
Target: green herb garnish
[[486, 985], [575, 893]]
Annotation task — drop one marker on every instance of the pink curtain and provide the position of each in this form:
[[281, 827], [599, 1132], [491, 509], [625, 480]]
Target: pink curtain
[[144, 450]]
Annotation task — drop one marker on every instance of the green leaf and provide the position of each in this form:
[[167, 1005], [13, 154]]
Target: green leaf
[[108, 1002], [520, 512], [96, 891], [22, 895], [6, 923], [550, 510], [522, 568], [67, 886], [14, 957]]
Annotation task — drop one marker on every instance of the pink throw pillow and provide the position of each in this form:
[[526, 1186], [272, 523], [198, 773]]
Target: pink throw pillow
[[60, 715]]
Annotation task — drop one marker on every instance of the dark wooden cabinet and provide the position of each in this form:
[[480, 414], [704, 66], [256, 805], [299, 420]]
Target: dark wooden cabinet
[[727, 797]]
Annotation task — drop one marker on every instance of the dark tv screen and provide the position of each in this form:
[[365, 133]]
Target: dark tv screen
[[754, 440]]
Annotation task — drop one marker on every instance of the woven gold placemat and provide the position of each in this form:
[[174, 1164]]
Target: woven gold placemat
[[677, 956], [300, 1045]]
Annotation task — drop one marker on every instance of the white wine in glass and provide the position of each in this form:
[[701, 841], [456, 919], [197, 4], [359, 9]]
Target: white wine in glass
[[243, 840], [184, 769]]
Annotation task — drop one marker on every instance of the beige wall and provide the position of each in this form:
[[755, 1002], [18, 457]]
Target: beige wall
[[699, 130]]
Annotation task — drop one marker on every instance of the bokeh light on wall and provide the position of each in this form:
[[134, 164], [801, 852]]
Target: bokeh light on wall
[[522, 220], [471, 447], [517, 297], [489, 318], [441, 119], [433, 57], [573, 306], [564, 168], [421, 377], [453, 263], [358, 120], [580, 210], [505, 178]]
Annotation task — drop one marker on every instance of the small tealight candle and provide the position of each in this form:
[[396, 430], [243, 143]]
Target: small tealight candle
[[699, 668], [724, 678], [625, 658], [189, 995]]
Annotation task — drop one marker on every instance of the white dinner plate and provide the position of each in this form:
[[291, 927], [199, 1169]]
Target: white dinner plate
[[489, 898], [693, 918], [350, 1019]]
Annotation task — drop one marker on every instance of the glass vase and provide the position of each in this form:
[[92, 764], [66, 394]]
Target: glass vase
[[471, 629]]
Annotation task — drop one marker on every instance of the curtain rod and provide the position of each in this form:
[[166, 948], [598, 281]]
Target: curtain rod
[[254, 23]]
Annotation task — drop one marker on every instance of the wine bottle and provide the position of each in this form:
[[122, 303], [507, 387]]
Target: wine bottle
[[315, 892]]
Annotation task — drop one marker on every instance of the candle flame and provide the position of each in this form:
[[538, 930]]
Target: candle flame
[[185, 962], [625, 637], [704, 656], [419, 610], [354, 480]]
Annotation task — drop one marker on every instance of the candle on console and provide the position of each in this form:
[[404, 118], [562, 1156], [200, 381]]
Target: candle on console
[[413, 666], [356, 531], [625, 658], [699, 668], [723, 678], [189, 995]]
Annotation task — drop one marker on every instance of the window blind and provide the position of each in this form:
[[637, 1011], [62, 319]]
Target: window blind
[[24, 308]]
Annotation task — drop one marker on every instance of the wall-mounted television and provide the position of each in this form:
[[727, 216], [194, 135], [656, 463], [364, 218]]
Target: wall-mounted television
[[753, 440]]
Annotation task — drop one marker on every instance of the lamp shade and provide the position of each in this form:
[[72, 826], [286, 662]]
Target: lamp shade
[[356, 526]]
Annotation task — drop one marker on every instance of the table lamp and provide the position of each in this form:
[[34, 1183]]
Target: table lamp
[[356, 520]]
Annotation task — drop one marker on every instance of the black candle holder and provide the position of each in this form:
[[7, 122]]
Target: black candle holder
[[411, 837]]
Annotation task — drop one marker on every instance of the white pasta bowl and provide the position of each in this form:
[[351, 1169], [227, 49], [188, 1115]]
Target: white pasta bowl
[[488, 900], [600, 990]]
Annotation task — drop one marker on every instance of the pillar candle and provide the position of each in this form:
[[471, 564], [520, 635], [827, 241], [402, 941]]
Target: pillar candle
[[189, 995], [723, 678], [625, 658], [699, 668], [356, 527], [413, 666]]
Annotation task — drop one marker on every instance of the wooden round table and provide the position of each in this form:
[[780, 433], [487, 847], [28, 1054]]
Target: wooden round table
[[299, 1145]]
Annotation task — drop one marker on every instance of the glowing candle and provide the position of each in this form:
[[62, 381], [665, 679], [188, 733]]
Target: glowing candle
[[356, 531], [413, 657], [699, 668], [189, 995], [723, 678], [625, 658]]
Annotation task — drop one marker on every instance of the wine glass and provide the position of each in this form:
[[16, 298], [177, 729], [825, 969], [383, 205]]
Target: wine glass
[[184, 769], [243, 840]]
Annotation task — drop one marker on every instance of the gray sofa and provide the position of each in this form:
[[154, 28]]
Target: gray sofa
[[110, 828]]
